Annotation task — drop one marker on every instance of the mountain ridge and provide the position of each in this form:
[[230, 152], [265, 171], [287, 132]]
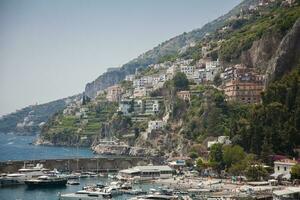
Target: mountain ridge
[[168, 47]]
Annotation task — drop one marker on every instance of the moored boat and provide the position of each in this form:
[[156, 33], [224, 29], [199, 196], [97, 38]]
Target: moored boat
[[73, 182], [47, 181], [80, 196], [25, 173], [155, 196]]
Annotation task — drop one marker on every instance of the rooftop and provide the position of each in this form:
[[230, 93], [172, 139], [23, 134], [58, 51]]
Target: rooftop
[[147, 168]]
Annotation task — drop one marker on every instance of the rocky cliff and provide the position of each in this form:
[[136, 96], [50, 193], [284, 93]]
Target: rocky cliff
[[287, 55], [261, 52]]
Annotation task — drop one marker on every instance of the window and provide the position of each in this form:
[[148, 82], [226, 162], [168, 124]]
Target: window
[[284, 168], [278, 168]]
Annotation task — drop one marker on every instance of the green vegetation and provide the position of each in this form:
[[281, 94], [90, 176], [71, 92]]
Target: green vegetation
[[279, 20], [65, 129], [256, 173], [272, 127], [208, 114], [235, 161], [170, 57], [180, 82], [295, 171]]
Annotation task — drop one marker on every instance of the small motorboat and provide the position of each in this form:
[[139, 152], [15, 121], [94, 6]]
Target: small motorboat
[[73, 182]]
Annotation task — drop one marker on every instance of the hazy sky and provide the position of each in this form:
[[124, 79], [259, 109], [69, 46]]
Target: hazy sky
[[50, 49]]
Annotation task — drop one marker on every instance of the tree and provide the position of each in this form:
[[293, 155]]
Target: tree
[[295, 171], [256, 172], [201, 164], [217, 80], [238, 168], [232, 155], [266, 151], [216, 157], [193, 154], [180, 82]]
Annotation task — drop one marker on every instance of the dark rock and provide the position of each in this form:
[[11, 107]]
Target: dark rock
[[287, 55]]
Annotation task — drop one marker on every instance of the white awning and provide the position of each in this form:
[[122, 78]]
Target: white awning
[[275, 175]]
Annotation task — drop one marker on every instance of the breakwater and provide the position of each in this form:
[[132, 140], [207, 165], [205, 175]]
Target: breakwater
[[86, 164]]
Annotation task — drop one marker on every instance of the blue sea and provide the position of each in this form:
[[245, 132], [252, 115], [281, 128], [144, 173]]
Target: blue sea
[[21, 192], [14, 147]]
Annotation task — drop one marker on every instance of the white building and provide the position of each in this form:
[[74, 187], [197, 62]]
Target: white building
[[219, 140], [130, 77], [283, 168], [200, 75], [143, 81], [155, 125], [188, 70], [212, 69], [146, 172], [125, 106]]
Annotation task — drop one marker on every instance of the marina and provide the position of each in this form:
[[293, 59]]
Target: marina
[[139, 182]]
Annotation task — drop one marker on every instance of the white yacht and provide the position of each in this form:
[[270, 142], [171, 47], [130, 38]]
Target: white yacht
[[86, 195], [25, 173]]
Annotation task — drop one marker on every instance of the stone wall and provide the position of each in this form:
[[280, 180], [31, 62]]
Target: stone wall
[[85, 164]]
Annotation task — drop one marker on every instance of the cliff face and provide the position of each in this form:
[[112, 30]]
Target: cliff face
[[261, 52], [287, 55], [105, 80]]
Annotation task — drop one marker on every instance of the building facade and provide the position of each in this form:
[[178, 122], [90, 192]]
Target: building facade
[[184, 95], [114, 93], [155, 125], [283, 168], [188, 70], [242, 84]]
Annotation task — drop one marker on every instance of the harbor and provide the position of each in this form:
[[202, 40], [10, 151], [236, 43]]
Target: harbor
[[146, 181]]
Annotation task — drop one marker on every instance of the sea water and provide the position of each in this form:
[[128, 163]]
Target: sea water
[[14, 147], [22, 192]]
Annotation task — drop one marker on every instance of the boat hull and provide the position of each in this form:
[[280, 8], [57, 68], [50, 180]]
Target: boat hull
[[57, 183], [10, 182]]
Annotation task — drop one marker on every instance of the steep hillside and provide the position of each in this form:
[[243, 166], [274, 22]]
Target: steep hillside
[[167, 48], [79, 123], [30, 119], [252, 37], [265, 38]]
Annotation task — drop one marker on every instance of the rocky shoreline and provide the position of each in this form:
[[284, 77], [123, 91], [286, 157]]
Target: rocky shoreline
[[121, 150], [105, 149]]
